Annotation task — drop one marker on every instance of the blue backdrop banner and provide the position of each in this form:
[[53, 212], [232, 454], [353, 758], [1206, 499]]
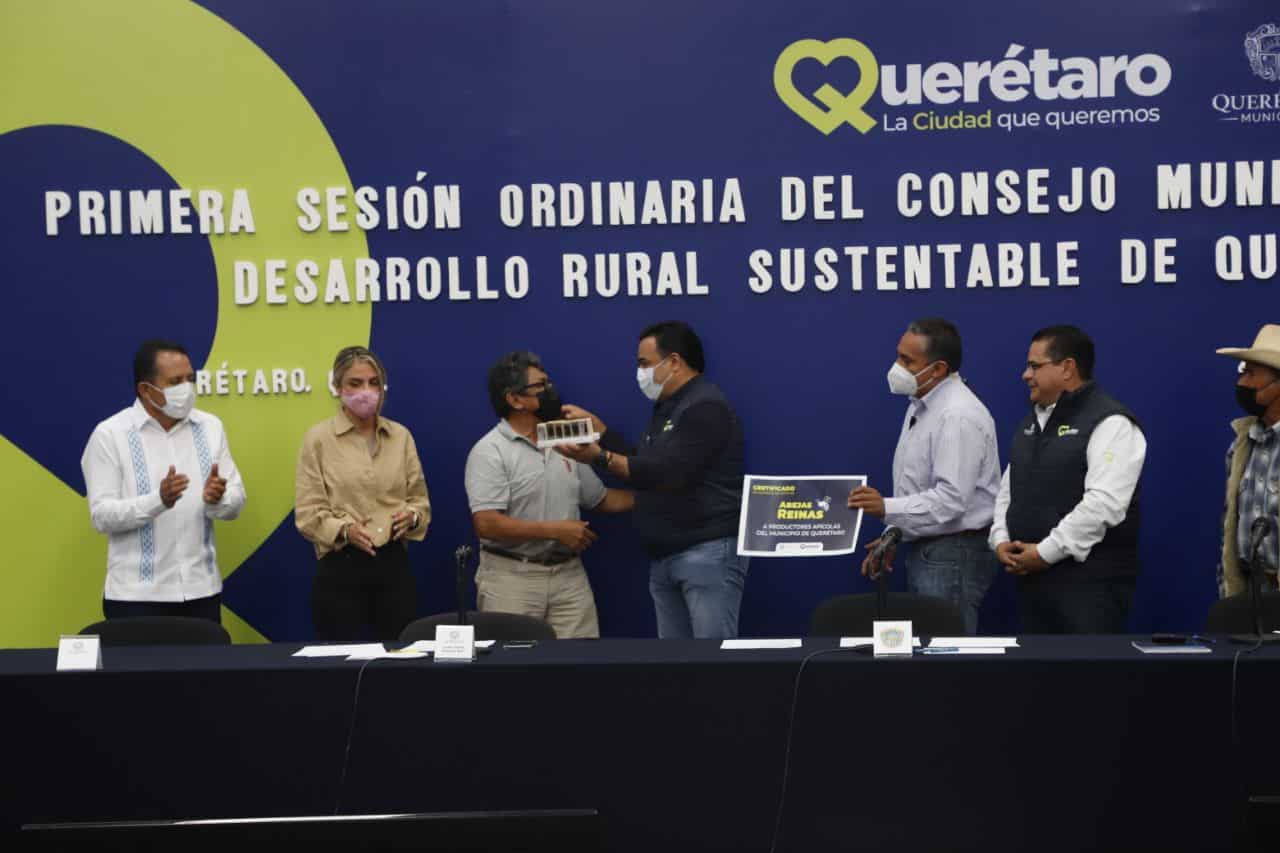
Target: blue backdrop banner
[[445, 182]]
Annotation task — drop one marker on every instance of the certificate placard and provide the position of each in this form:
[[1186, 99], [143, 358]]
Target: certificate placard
[[79, 652], [803, 516], [891, 638], [455, 643]]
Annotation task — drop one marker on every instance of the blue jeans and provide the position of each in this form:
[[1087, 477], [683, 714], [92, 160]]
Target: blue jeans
[[958, 568], [696, 592]]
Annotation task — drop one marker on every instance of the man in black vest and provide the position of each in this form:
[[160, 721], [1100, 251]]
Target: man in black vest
[[687, 473], [1067, 516]]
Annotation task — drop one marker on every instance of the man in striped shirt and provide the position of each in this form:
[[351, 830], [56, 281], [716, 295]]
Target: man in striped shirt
[[1253, 466]]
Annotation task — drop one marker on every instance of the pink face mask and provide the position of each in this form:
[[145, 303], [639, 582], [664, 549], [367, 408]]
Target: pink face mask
[[363, 404]]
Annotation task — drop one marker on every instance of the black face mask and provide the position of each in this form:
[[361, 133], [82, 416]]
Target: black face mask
[[1248, 400], [549, 405]]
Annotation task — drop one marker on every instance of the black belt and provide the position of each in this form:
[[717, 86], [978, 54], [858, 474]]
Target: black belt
[[984, 532], [521, 558]]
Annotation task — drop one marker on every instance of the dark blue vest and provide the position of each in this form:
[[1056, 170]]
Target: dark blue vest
[[1046, 480]]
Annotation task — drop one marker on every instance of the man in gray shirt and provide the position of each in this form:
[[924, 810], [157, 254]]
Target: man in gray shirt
[[946, 473], [526, 503]]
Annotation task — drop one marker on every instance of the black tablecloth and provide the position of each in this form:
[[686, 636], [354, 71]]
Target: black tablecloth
[[1062, 744]]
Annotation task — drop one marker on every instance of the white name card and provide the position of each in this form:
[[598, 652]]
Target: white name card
[[79, 653], [891, 638], [455, 643]]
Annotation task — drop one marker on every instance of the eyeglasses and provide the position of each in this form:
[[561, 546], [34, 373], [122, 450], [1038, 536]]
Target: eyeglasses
[[544, 385], [1033, 366]]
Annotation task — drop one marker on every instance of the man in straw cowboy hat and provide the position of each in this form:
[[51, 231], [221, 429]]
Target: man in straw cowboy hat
[[1253, 464]]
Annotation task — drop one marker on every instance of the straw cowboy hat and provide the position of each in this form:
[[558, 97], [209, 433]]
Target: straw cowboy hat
[[1265, 349]]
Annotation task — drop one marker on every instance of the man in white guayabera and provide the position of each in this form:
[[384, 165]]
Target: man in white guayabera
[[139, 467]]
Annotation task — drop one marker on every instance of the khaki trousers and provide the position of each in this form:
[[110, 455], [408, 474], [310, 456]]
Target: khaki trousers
[[559, 595]]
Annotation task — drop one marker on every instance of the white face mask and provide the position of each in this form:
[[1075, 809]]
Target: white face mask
[[178, 400], [903, 381], [644, 378]]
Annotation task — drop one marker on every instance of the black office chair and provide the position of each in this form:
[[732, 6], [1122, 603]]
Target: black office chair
[[1234, 615], [159, 631], [489, 626], [852, 615]]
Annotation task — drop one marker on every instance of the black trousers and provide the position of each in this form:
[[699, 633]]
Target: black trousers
[[354, 592], [198, 608], [1065, 604]]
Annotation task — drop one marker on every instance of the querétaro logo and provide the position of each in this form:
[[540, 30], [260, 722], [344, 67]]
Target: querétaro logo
[[1034, 75], [1262, 48], [840, 108]]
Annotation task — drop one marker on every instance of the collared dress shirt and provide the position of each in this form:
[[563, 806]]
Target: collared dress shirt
[[946, 468], [507, 473], [1259, 495], [340, 479], [154, 552]]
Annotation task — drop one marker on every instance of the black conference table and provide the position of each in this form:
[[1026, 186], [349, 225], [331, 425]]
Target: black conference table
[[1065, 743]]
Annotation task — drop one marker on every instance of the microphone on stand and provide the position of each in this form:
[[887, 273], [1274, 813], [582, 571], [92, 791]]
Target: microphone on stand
[[1257, 534], [1262, 526], [461, 556], [889, 539]]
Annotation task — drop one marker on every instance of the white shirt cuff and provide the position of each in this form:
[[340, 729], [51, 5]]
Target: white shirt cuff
[[1051, 552], [152, 505], [894, 507]]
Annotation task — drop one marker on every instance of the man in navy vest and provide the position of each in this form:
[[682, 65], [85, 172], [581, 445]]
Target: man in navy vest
[[687, 473], [1066, 519]]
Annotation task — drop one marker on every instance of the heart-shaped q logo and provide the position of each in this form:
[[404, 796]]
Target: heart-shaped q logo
[[839, 108]]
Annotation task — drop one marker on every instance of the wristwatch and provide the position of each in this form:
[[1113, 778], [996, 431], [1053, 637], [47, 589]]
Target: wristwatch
[[602, 461]]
